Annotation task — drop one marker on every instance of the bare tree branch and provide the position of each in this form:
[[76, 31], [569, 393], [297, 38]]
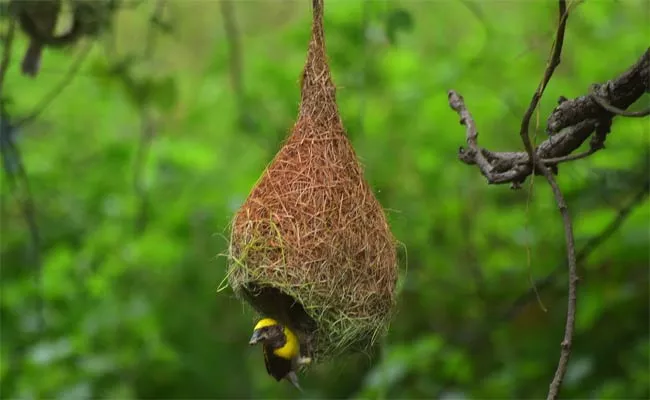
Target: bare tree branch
[[235, 57], [147, 133], [620, 92], [565, 354], [466, 119], [147, 126], [595, 118], [15, 170], [7, 44], [570, 125]]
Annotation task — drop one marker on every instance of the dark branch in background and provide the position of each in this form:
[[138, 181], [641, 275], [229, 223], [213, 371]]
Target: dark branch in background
[[235, 57], [156, 20], [31, 29], [7, 44], [89, 20], [570, 125], [363, 101], [14, 168], [38, 21], [20, 187], [582, 255], [147, 125], [59, 88], [11, 156], [147, 133], [477, 338]]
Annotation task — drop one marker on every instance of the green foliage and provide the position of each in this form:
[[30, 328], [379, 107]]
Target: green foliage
[[126, 303]]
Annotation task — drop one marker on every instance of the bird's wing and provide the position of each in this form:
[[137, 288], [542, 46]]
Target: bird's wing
[[276, 366], [267, 362]]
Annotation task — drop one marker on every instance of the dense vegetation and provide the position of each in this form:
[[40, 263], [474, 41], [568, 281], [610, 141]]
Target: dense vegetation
[[137, 166]]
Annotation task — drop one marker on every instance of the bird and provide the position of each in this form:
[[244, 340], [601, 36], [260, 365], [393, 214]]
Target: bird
[[281, 350]]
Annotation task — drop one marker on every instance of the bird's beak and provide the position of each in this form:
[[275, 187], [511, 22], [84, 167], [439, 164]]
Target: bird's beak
[[257, 336]]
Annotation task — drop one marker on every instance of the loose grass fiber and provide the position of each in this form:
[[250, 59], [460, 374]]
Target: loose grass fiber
[[311, 246]]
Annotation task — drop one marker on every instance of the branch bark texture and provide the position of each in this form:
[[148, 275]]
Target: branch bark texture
[[570, 124]]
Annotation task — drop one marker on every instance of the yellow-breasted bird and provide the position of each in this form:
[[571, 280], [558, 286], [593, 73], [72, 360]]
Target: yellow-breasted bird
[[281, 350]]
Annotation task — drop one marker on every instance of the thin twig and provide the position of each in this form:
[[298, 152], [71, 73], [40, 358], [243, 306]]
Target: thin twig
[[591, 245], [565, 354], [615, 110], [570, 157], [476, 337], [19, 184], [56, 91], [528, 250], [235, 57], [7, 44], [457, 103], [548, 73], [570, 124], [21, 190], [147, 133], [526, 224], [15, 169], [365, 66], [147, 127]]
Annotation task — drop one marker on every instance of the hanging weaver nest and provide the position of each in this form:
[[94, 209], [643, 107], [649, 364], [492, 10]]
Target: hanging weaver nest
[[311, 246]]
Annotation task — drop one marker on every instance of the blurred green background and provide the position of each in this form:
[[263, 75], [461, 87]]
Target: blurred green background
[[139, 163]]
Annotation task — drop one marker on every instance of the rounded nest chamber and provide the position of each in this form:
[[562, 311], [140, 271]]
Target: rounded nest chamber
[[311, 246]]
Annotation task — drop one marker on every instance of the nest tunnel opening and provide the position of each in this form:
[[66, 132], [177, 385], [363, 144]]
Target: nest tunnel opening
[[274, 303]]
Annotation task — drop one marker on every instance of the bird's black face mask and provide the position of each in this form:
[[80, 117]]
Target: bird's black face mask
[[268, 333], [258, 336]]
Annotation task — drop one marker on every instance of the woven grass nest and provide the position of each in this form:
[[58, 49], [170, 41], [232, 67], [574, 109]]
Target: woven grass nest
[[311, 245]]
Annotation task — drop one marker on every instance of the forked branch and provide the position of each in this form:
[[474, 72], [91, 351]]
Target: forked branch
[[569, 126]]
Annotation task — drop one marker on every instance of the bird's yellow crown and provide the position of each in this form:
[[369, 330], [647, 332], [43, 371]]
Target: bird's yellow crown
[[264, 322]]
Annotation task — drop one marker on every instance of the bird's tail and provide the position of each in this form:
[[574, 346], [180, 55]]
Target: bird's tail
[[293, 378]]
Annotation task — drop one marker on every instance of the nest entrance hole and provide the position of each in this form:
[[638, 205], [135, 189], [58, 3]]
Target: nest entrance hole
[[274, 303]]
